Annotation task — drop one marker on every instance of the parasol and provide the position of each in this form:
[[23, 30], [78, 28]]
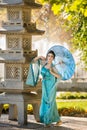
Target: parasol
[[63, 62]]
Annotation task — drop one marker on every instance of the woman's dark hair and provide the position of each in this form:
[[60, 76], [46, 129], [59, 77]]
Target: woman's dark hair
[[52, 52]]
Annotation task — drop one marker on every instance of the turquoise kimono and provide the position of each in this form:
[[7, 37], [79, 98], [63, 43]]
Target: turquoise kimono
[[48, 109]]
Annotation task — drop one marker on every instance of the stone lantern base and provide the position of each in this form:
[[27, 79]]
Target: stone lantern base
[[18, 105]]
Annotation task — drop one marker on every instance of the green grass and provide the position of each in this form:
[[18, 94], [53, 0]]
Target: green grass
[[72, 104], [72, 108]]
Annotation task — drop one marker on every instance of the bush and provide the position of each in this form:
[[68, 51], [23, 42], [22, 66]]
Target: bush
[[5, 108], [72, 95], [29, 108], [72, 112]]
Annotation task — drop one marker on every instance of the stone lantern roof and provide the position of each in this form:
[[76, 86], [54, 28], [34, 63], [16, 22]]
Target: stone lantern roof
[[20, 3], [16, 56], [21, 31]]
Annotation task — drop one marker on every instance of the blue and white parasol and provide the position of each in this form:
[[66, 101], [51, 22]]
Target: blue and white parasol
[[64, 61]]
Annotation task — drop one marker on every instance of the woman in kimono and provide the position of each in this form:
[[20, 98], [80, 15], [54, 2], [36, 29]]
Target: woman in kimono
[[50, 78]]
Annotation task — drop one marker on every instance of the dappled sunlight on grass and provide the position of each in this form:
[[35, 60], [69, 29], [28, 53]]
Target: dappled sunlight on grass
[[80, 104]]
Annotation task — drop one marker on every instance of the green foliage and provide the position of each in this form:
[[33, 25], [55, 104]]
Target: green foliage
[[72, 95], [29, 108], [65, 108], [74, 13]]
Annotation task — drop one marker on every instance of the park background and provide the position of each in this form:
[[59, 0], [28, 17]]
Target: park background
[[65, 24]]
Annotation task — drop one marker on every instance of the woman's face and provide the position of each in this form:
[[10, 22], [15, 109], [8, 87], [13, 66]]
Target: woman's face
[[50, 57]]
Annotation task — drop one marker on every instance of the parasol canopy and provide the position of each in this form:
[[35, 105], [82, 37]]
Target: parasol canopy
[[63, 62]]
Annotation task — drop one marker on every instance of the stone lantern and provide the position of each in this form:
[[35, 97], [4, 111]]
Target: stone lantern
[[18, 29]]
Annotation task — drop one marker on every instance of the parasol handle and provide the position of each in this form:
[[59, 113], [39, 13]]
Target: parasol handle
[[61, 62]]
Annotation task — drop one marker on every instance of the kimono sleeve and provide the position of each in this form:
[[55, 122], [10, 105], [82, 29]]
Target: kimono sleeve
[[33, 74]]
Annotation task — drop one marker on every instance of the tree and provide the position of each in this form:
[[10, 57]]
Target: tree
[[74, 15]]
